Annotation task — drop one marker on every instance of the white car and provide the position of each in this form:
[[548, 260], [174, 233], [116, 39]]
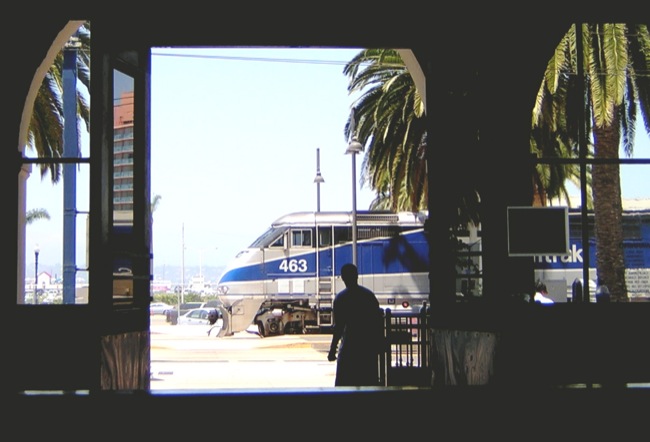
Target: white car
[[199, 316], [159, 308]]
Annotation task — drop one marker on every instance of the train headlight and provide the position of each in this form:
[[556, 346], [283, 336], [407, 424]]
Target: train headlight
[[222, 290], [406, 304]]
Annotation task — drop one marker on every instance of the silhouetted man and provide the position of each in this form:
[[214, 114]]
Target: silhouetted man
[[358, 324]]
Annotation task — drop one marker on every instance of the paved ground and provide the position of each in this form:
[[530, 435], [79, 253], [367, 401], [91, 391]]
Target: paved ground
[[185, 357]]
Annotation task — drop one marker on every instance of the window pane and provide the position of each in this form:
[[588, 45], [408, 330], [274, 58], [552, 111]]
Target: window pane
[[123, 235], [636, 230], [635, 182], [56, 236]]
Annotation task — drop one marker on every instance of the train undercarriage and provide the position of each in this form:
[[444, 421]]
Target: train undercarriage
[[291, 317], [276, 317]]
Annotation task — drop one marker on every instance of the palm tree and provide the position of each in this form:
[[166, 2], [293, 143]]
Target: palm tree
[[389, 118], [155, 202], [390, 122], [46, 124], [616, 85], [36, 214]]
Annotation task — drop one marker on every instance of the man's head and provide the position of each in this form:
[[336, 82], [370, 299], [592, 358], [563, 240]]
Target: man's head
[[349, 274]]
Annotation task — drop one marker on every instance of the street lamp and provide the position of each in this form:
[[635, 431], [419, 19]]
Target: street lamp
[[318, 180], [354, 147], [36, 252]]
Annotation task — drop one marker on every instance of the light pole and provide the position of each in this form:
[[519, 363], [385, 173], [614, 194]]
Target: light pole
[[182, 298], [37, 250], [354, 147], [318, 180]]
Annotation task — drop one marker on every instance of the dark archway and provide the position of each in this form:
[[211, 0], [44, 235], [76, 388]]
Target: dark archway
[[499, 107]]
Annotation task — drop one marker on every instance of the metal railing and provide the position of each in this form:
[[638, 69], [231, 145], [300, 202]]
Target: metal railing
[[407, 359]]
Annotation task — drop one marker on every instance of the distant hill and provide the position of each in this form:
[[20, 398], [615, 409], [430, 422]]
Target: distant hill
[[174, 273], [211, 274]]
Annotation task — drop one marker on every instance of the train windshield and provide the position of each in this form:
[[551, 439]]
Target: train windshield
[[274, 236]]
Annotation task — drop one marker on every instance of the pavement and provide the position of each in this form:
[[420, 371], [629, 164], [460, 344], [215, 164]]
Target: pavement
[[187, 358]]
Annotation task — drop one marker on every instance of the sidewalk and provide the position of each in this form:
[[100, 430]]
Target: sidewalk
[[185, 357]]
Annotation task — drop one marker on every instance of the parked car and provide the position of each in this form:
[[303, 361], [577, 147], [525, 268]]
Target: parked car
[[199, 316], [159, 308], [173, 314], [214, 303]]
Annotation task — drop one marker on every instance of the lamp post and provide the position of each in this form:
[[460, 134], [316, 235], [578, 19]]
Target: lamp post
[[318, 180], [182, 298], [37, 250], [354, 147]]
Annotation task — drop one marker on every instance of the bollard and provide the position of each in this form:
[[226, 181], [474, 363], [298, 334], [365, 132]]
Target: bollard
[[576, 291], [602, 294]]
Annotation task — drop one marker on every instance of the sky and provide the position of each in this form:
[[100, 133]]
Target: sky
[[234, 139], [236, 136]]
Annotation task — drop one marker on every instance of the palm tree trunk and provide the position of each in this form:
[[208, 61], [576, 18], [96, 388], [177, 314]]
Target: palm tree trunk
[[608, 213]]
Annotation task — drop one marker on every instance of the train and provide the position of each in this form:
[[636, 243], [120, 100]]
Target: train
[[559, 273], [286, 280]]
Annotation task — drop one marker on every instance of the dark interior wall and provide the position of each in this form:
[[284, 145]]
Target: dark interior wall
[[509, 80], [22, 326], [481, 89], [508, 49]]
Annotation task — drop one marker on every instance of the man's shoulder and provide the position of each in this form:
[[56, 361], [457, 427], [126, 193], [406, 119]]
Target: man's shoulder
[[366, 289], [342, 293]]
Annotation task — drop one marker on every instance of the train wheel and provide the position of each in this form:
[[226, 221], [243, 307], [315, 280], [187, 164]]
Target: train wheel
[[260, 329]]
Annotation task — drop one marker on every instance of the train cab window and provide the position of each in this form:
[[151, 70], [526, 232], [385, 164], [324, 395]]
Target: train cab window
[[278, 242], [325, 237], [301, 238], [342, 235], [273, 237]]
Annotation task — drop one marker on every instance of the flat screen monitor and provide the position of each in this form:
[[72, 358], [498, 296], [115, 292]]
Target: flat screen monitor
[[538, 231]]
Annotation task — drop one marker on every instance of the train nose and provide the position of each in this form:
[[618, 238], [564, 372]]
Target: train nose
[[222, 289]]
